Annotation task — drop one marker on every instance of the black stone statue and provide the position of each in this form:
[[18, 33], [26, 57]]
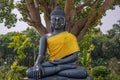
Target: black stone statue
[[63, 52]]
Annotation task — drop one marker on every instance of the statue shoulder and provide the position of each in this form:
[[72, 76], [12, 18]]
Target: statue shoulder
[[46, 36], [49, 35], [72, 35]]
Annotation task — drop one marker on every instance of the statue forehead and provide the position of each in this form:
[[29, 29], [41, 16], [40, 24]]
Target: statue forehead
[[57, 16]]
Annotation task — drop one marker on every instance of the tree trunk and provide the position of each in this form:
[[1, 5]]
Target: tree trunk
[[79, 27]]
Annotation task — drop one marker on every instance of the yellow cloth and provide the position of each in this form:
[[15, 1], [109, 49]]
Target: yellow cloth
[[61, 45]]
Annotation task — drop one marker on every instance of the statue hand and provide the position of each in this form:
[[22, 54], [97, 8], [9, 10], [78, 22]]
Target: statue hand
[[38, 71]]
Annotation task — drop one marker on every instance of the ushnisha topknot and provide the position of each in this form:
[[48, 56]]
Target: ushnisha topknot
[[57, 11]]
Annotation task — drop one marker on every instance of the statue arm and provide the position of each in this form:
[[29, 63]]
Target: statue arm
[[68, 59], [42, 49], [38, 65]]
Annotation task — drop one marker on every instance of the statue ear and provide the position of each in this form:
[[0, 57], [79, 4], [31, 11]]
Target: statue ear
[[51, 28], [65, 27]]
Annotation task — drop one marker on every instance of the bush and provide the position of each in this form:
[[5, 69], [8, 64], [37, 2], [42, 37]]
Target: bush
[[3, 72], [17, 74], [100, 71], [113, 65], [1, 75], [113, 76], [98, 62]]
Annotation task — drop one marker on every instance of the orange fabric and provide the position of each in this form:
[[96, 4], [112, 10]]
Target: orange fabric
[[62, 45]]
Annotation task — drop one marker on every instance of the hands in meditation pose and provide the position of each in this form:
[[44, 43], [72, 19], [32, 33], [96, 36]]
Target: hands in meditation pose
[[62, 49]]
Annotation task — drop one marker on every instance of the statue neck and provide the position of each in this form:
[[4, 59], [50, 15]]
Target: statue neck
[[58, 31]]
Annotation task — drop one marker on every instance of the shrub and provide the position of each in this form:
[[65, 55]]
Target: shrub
[[3, 72], [17, 74], [100, 71], [1, 75], [113, 76]]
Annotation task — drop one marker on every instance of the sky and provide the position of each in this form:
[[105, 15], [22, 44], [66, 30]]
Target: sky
[[112, 16]]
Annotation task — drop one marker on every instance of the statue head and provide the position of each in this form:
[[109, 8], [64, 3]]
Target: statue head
[[58, 20]]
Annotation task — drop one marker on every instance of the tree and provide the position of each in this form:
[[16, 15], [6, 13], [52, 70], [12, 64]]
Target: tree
[[107, 45], [34, 41], [19, 43], [98, 41], [34, 38], [115, 32], [86, 47], [4, 42], [80, 14], [6, 15]]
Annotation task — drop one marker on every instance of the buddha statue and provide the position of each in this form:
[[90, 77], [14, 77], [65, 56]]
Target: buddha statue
[[63, 52]]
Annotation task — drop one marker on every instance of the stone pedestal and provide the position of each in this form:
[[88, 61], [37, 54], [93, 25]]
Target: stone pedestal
[[57, 78]]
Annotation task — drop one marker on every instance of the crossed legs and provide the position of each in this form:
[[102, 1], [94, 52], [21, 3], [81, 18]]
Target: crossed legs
[[66, 70]]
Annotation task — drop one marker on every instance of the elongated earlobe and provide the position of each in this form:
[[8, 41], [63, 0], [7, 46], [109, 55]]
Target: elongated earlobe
[[51, 28], [65, 27]]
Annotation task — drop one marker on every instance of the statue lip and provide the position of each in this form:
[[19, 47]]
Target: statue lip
[[57, 26]]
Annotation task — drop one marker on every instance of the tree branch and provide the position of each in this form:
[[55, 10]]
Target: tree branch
[[34, 12], [91, 17], [53, 3], [35, 16], [78, 26], [69, 10], [94, 15], [79, 7], [106, 5], [36, 2], [46, 11]]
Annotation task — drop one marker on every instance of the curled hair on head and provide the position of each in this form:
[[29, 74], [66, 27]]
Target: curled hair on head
[[57, 11]]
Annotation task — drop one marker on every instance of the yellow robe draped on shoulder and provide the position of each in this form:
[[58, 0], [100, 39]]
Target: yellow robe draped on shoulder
[[61, 45]]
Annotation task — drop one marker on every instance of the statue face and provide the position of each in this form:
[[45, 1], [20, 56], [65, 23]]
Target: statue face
[[58, 21]]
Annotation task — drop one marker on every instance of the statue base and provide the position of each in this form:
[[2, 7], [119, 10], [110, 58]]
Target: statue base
[[57, 78]]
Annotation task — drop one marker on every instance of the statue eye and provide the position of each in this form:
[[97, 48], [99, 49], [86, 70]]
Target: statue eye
[[61, 19], [53, 20]]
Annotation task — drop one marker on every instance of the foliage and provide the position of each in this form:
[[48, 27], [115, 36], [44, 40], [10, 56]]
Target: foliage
[[2, 72], [100, 71], [1, 75], [24, 44], [9, 54], [34, 42], [86, 47], [99, 78], [98, 41], [16, 74], [14, 65], [113, 76], [98, 62], [114, 66], [34, 39], [6, 7], [19, 43], [6, 15], [4, 42], [107, 45], [85, 12]]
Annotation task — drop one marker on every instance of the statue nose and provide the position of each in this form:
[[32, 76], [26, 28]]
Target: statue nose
[[57, 21]]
